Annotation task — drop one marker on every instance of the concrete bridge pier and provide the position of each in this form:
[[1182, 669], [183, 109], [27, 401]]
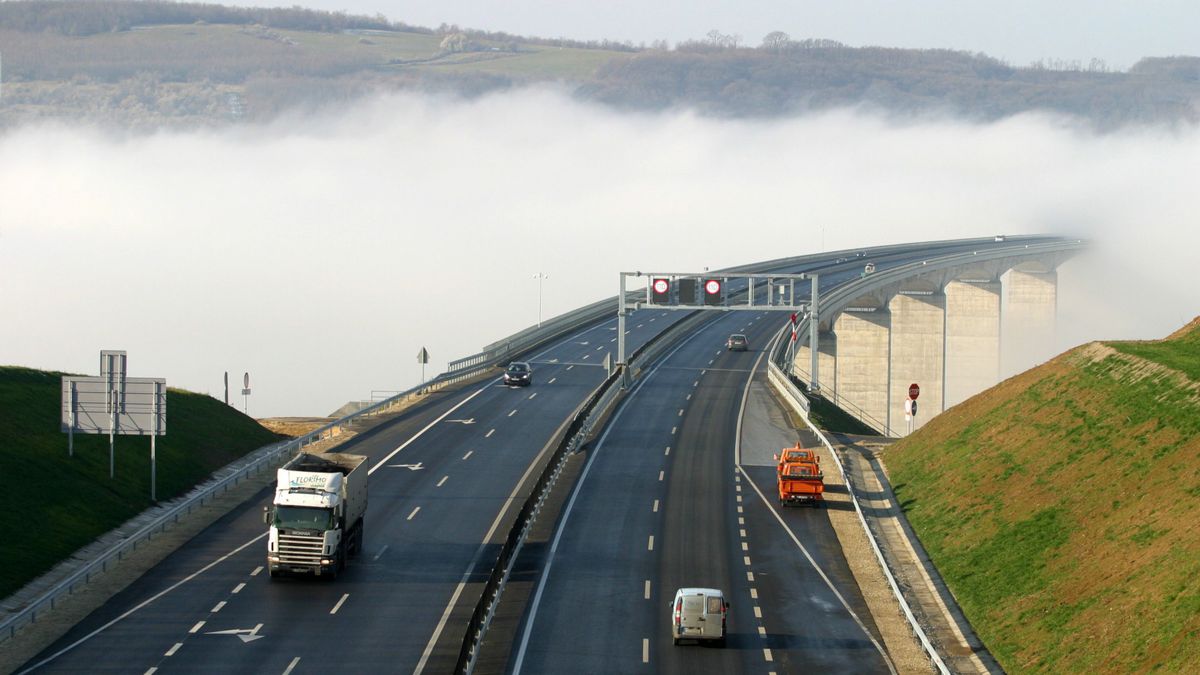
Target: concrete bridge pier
[[972, 338], [863, 362], [918, 354], [1028, 317]]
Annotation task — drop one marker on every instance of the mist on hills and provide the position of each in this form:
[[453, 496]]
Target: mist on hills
[[321, 252]]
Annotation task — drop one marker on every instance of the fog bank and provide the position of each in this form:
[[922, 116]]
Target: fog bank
[[320, 253]]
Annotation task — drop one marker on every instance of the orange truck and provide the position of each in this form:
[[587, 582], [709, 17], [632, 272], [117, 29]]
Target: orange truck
[[796, 454], [800, 481]]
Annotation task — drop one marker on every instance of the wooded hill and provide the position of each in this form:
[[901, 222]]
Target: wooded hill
[[1060, 507], [149, 64]]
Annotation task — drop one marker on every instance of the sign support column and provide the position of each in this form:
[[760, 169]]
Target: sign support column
[[621, 335], [813, 324]]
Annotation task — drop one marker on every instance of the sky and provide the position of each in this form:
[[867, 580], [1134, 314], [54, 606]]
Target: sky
[[321, 253], [1120, 32]]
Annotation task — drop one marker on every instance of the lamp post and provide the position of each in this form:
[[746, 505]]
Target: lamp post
[[540, 276]]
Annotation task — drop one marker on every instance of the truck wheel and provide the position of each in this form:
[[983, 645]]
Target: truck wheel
[[675, 641], [274, 574]]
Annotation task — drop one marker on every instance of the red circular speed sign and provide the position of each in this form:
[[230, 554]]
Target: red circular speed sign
[[914, 391], [661, 285], [712, 287]]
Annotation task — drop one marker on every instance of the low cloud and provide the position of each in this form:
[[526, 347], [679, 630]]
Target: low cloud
[[320, 253]]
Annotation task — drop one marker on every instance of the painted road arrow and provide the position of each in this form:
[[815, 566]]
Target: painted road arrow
[[244, 634], [410, 467], [467, 421]]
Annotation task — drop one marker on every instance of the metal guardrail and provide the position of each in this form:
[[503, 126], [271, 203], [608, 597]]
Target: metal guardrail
[[791, 393]]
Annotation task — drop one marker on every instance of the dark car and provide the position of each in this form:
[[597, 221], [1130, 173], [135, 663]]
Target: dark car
[[518, 373], [737, 343]]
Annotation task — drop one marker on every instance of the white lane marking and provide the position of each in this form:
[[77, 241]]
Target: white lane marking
[[645, 650], [586, 356], [680, 413], [742, 533], [667, 452], [710, 361], [757, 612], [762, 632], [660, 476], [197, 627], [741, 520], [739, 499], [566, 514], [651, 320], [217, 607], [767, 654], [750, 577], [339, 603], [737, 488], [650, 544], [673, 429], [514, 412], [145, 603], [442, 481], [462, 583], [696, 383], [429, 426], [737, 455], [469, 453], [489, 433], [380, 554], [613, 340], [152, 671], [172, 650], [640, 325], [291, 666], [647, 592], [746, 560], [239, 587], [689, 397], [599, 348], [655, 509], [532, 395], [552, 380], [413, 514], [753, 593], [256, 571], [568, 368]]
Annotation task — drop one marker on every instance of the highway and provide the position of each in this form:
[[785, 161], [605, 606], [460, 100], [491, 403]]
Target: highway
[[662, 503]]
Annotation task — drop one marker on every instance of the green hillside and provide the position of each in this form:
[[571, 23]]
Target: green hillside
[[62, 502], [1061, 505]]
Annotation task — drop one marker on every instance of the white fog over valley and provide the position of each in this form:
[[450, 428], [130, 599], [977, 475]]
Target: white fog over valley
[[321, 252]]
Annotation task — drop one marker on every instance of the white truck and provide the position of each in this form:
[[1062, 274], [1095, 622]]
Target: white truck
[[317, 518]]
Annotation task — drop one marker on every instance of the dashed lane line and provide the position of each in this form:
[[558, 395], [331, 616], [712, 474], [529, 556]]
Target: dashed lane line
[[442, 482], [174, 648], [339, 604], [489, 433], [469, 453], [646, 594], [239, 587], [413, 514], [197, 627], [217, 607]]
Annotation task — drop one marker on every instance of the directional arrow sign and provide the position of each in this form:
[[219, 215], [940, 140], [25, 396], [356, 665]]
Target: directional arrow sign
[[410, 467], [467, 421], [244, 634]]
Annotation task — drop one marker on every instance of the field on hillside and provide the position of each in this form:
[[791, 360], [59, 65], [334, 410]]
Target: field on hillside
[[57, 504], [1061, 508]]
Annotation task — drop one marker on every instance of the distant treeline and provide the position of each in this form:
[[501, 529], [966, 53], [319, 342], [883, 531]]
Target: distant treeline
[[89, 17]]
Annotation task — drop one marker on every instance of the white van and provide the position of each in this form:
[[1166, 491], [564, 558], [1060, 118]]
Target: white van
[[699, 614]]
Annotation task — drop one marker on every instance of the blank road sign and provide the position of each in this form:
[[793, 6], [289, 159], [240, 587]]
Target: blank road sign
[[91, 406]]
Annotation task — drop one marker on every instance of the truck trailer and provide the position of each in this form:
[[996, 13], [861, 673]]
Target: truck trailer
[[317, 516]]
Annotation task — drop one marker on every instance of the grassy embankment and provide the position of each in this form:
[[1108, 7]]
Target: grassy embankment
[[55, 503], [1062, 505]]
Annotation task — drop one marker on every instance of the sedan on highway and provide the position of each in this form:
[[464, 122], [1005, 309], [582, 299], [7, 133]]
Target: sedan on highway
[[737, 343], [518, 374]]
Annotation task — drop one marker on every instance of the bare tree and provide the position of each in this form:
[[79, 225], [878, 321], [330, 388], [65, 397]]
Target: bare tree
[[776, 41]]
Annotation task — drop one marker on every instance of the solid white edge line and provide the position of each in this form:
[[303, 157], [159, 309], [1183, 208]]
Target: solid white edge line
[[566, 514]]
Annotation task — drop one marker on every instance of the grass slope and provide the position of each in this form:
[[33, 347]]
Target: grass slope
[[1061, 508], [56, 504]]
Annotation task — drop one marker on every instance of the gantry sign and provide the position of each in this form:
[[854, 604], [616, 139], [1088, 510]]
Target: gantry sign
[[725, 291]]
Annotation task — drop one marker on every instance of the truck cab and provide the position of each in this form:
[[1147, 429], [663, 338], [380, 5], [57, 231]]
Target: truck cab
[[317, 517]]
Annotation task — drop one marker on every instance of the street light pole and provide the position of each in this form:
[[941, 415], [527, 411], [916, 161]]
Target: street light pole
[[540, 276]]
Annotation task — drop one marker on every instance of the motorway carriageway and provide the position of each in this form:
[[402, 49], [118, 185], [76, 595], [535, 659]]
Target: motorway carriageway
[[446, 480], [663, 503]]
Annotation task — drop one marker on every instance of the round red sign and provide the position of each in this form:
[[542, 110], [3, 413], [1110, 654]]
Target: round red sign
[[712, 287], [661, 285], [914, 391]]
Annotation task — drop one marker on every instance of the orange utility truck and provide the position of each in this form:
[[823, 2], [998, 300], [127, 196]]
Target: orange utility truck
[[796, 454], [800, 482]]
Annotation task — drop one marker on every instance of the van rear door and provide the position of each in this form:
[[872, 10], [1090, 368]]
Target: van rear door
[[713, 610]]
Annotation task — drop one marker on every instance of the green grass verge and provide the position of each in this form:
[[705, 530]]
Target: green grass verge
[[63, 503], [1060, 508]]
